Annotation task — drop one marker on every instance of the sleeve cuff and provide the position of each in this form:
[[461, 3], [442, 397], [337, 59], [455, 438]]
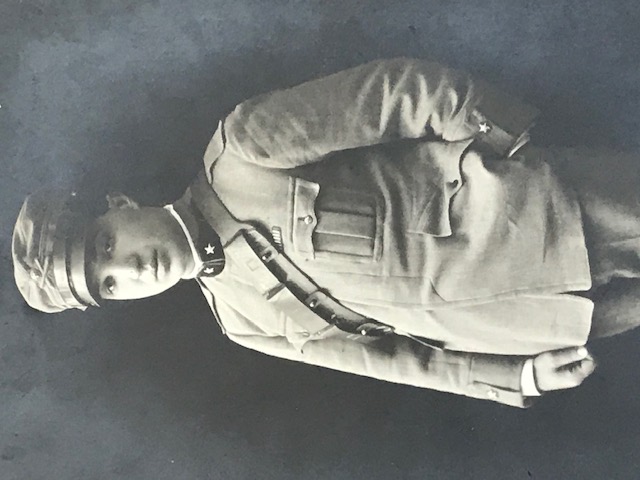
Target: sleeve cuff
[[527, 380]]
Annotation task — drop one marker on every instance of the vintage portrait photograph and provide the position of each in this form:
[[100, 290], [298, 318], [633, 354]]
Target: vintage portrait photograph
[[310, 240]]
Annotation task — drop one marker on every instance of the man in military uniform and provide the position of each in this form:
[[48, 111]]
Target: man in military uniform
[[390, 220]]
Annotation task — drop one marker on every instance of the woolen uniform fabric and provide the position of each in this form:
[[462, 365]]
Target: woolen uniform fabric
[[387, 197], [608, 187]]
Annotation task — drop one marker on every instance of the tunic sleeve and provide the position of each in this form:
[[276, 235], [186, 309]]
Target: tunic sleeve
[[393, 358], [378, 102]]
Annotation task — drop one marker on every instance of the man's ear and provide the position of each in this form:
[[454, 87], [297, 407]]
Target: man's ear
[[120, 201]]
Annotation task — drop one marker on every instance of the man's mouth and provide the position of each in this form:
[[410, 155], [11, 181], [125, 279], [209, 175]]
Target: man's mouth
[[154, 263], [160, 264]]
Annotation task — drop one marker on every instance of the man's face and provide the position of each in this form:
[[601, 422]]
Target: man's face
[[135, 251]]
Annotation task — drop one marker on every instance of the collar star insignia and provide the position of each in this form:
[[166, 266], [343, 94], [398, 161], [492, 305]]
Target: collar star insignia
[[208, 270], [484, 127], [210, 249]]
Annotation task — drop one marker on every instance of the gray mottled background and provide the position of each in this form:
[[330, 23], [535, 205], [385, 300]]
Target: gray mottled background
[[127, 93]]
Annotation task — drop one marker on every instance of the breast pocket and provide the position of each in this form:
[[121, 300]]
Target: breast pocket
[[334, 223]]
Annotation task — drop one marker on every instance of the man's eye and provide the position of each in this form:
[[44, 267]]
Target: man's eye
[[108, 245], [110, 285]]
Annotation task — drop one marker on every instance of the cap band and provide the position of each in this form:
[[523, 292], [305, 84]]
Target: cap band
[[76, 269], [68, 257]]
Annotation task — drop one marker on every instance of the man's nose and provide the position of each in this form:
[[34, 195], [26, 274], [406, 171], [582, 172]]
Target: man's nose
[[130, 267]]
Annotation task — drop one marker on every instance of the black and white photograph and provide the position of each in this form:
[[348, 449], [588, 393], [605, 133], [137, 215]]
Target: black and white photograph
[[308, 240]]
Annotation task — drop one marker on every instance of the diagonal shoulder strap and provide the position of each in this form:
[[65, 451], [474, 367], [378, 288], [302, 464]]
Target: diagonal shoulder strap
[[287, 274], [214, 211], [294, 291]]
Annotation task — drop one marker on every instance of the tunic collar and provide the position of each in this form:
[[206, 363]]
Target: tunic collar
[[204, 243]]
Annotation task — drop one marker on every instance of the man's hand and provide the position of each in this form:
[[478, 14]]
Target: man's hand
[[560, 369]]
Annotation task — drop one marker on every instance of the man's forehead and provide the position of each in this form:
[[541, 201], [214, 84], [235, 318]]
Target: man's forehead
[[93, 230], [113, 218]]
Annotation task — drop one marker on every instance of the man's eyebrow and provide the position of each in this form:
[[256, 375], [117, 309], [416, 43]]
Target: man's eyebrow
[[90, 258], [91, 234]]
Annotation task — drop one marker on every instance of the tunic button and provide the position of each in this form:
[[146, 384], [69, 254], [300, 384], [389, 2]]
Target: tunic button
[[308, 220], [313, 303]]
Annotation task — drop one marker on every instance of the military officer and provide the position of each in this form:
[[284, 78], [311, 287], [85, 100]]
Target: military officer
[[389, 220]]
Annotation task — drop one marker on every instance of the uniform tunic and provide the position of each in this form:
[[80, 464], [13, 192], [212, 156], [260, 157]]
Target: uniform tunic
[[382, 187]]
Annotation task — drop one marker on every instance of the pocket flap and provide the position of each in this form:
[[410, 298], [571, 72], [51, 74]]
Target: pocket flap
[[303, 215], [434, 219]]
